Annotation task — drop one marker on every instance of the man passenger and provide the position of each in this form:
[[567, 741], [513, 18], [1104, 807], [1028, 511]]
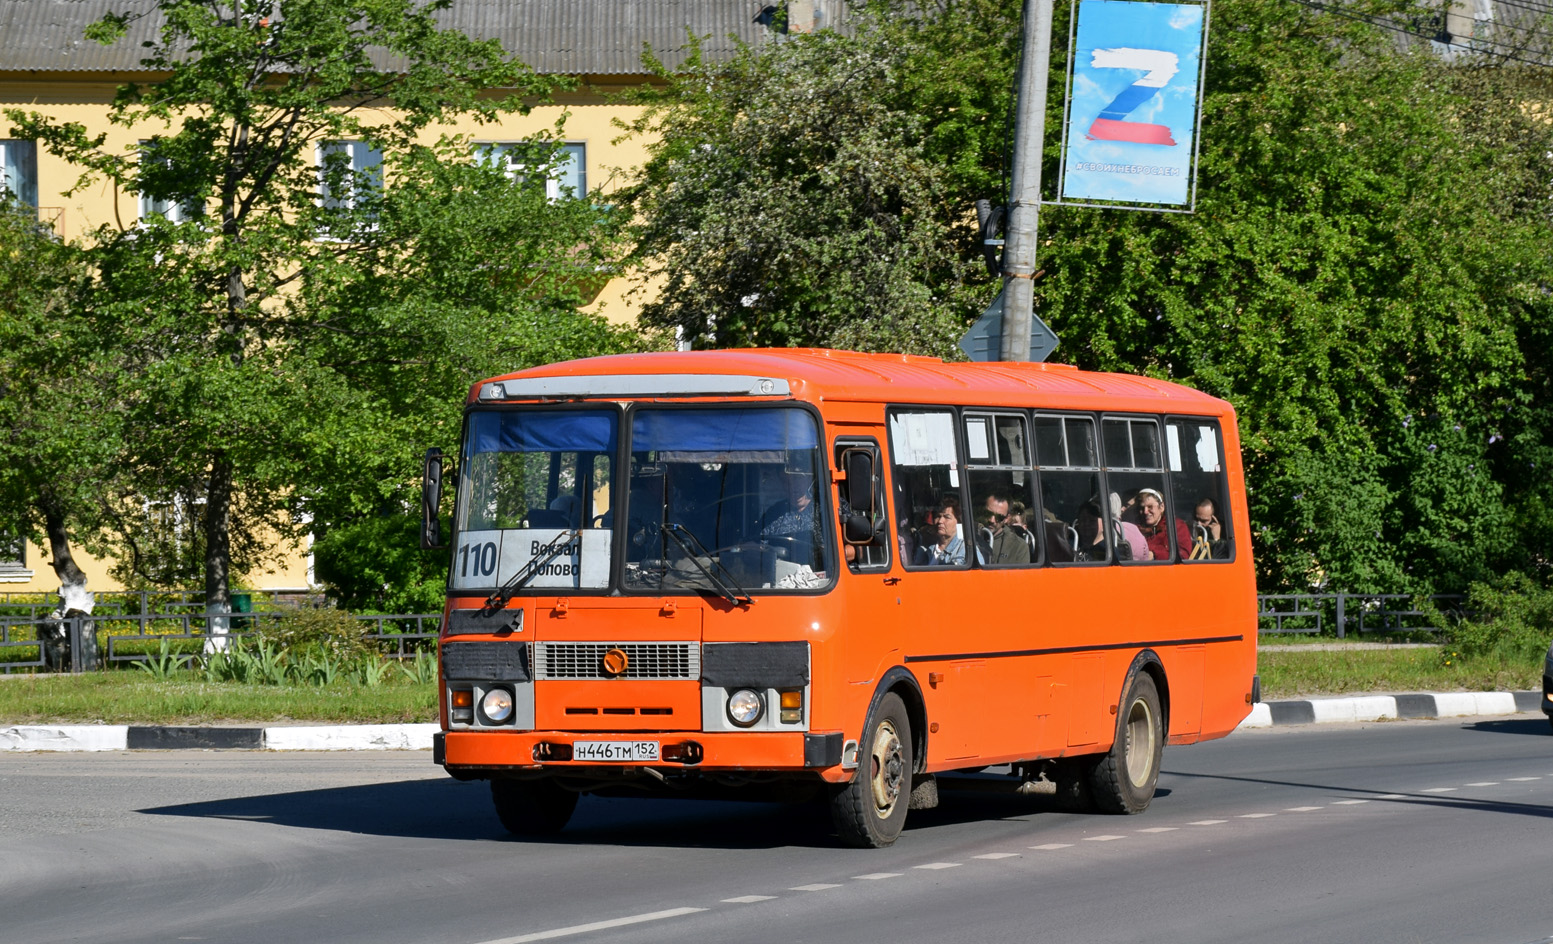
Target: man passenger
[[1000, 544]]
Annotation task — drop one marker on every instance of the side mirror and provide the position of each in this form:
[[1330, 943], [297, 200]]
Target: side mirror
[[861, 496], [431, 501]]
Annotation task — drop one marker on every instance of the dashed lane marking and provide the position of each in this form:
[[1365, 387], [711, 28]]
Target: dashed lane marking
[[1300, 809], [595, 926], [1208, 822], [1160, 829], [1522, 779], [875, 876], [1392, 796], [1047, 847], [1484, 783], [1102, 838], [748, 899], [998, 855], [816, 887], [1348, 802], [937, 865], [1439, 790], [1255, 815]]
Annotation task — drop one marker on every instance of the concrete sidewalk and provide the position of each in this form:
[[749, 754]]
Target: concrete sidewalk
[[417, 737]]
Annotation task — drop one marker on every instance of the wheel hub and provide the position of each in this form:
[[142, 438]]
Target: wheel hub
[[887, 769]]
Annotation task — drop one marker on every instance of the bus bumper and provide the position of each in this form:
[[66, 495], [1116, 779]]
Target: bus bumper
[[678, 750]]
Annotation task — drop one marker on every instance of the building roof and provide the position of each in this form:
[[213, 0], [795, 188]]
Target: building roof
[[816, 374], [566, 37]]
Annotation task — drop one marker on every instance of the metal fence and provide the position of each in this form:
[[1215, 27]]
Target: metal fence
[[1358, 613], [125, 627], [112, 639]]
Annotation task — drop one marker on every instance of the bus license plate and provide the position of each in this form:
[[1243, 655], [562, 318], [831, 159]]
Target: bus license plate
[[615, 750]]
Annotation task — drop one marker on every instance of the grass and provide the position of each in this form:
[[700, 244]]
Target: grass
[[122, 697], [1296, 671]]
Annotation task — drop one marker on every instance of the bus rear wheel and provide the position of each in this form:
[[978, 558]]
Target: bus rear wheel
[[1123, 780], [870, 812], [532, 807]]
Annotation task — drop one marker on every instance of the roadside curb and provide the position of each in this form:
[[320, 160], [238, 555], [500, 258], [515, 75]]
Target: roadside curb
[[134, 737], [417, 737], [1390, 707]]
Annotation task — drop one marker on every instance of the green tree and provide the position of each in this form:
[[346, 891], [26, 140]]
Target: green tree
[[1364, 278], [264, 339]]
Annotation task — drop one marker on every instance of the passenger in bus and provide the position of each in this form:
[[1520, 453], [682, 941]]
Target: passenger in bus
[[996, 544], [1155, 528], [1128, 532], [1060, 542], [1208, 532], [1091, 532], [950, 547], [1018, 522]]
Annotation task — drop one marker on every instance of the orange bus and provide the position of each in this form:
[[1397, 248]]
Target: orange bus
[[773, 571]]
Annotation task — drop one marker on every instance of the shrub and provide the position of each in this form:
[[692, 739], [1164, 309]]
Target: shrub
[[306, 631], [1510, 617]]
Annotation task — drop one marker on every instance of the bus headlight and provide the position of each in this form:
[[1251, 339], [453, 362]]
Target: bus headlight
[[744, 707], [496, 706]]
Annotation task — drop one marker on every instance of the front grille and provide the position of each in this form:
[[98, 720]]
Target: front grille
[[644, 660]]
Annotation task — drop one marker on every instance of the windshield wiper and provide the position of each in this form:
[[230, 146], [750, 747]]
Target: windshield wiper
[[498, 600], [725, 590]]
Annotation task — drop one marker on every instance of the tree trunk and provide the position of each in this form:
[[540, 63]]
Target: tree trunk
[[218, 555], [75, 600]]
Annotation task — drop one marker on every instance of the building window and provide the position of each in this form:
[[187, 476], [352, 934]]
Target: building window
[[19, 170], [568, 176], [13, 555], [350, 177], [175, 210]]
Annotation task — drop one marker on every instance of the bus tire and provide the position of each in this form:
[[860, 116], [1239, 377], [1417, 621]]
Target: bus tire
[[870, 812], [1123, 780], [532, 807]]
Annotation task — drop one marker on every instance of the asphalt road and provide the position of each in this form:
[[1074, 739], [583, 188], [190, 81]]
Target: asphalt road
[[1405, 832]]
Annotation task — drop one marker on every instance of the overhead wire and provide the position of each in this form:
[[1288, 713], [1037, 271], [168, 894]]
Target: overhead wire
[[1383, 23]]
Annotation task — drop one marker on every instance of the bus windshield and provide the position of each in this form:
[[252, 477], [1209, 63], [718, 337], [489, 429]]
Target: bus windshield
[[724, 499], [535, 495]]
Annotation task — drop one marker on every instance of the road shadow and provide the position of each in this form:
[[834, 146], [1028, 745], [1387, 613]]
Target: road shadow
[[1374, 795], [1536, 726], [448, 809], [451, 810]]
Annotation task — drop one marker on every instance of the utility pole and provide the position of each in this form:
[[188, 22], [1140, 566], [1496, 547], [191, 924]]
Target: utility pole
[[1005, 331], [1024, 208]]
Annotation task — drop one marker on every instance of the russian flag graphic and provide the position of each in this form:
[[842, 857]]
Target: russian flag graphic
[[1158, 67]]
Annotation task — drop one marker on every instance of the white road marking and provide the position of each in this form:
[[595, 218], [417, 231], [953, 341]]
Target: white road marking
[[998, 855], [748, 899], [1439, 790], [1392, 796], [875, 876], [938, 865], [595, 926], [1102, 838], [1053, 845], [1208, 822], [816, 887], [1160, 829], [1348, 802], [1300, 809], [1255, 815], [1523, 779], [1484, 783]]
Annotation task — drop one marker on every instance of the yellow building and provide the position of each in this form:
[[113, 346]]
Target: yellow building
[[47, 65]]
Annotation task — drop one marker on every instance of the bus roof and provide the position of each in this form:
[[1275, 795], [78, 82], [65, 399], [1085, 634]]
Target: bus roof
[[819, 375]]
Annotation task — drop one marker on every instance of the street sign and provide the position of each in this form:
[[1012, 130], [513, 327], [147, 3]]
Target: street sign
[[984, 340]]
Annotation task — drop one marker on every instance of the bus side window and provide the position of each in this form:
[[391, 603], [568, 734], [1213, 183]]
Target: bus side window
[[874, 555], [930, 525], [1196, 454], [1137, 500], [1000, 466], [1069, 517]]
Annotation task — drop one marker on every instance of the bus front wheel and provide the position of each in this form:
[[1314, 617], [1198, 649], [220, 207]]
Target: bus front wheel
[[1123, 780], [532, 807], [870, 812]]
